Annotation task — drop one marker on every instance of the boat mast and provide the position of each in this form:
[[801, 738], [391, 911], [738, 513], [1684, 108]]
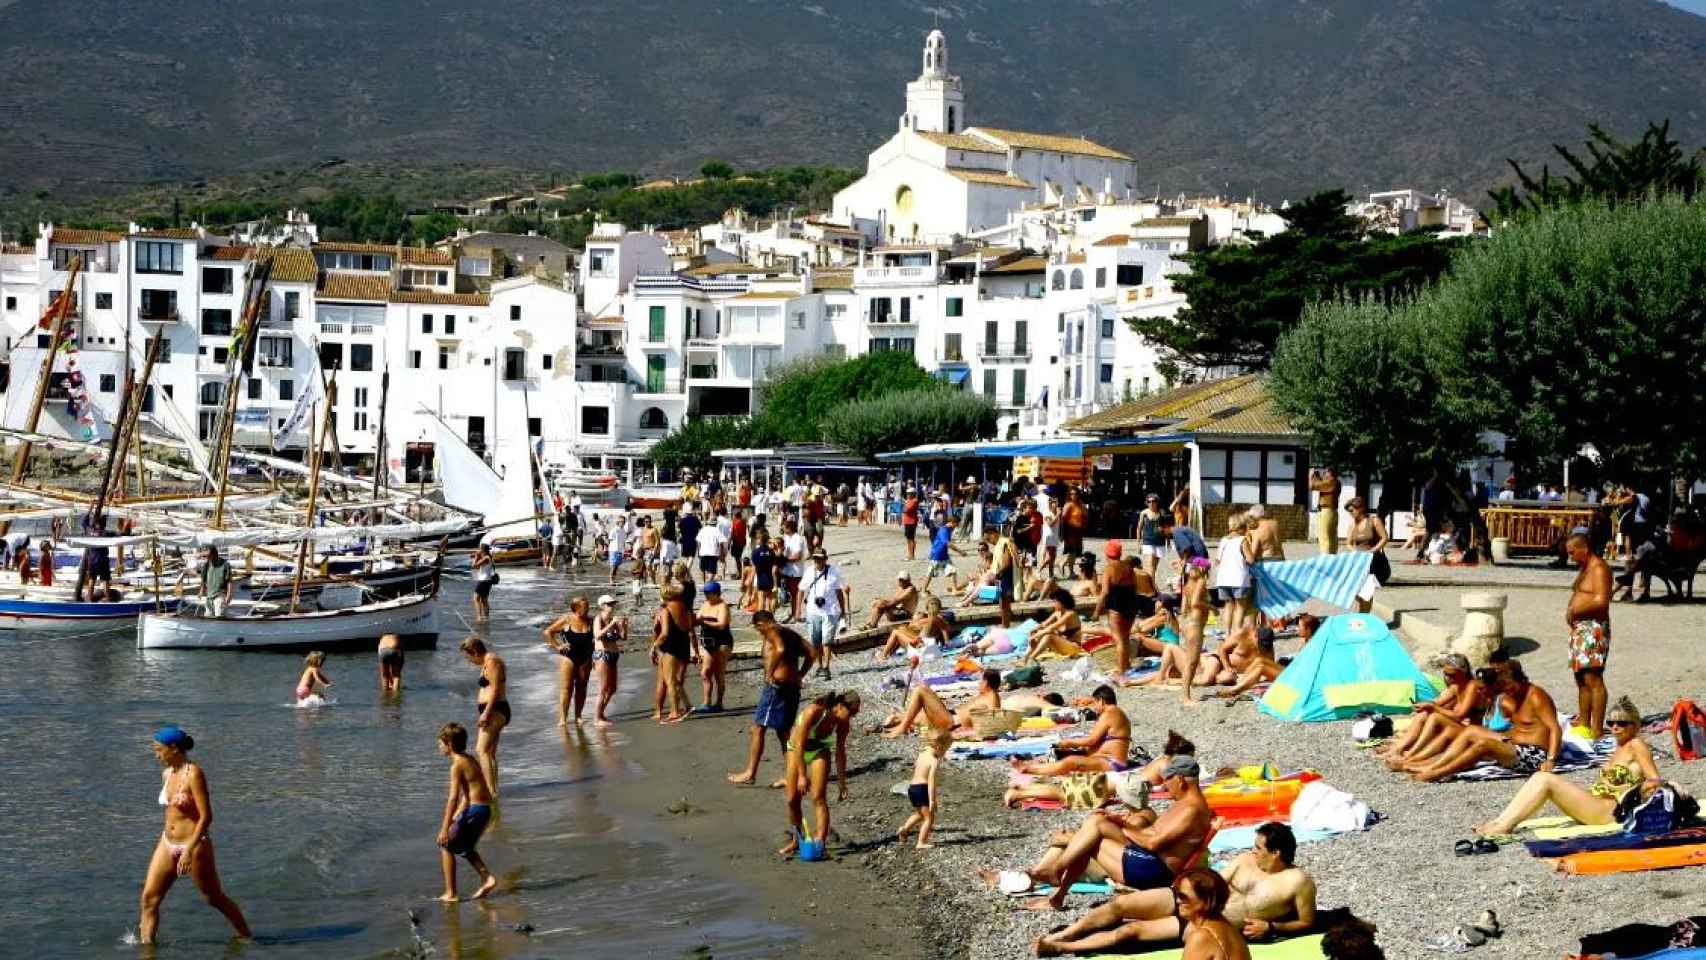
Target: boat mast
[[61, 309], [381, 462], [130, 409], [314, 487], [254, 302]]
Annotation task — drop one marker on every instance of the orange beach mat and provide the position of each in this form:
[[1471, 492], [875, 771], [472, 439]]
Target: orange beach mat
[[1596, 862]]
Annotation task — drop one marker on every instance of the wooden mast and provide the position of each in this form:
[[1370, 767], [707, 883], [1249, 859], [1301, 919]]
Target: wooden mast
[[381, 462], [61, 309], [254, 299], [314, 487]]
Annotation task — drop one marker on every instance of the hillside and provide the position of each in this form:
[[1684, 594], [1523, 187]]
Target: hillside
[[1272, 97]]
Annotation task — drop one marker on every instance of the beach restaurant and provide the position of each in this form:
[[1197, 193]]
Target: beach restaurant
[[1223, 440]]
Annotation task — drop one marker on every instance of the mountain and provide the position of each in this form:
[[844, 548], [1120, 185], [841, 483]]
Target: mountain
[[1271, 97]]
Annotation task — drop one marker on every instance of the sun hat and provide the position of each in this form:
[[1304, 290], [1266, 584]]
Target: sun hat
[[606, 600], [1183, 765]]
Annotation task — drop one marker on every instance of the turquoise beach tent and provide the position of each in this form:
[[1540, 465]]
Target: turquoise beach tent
[[1352, 664]]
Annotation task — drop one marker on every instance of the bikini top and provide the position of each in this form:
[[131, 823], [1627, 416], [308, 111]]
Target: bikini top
[[1614, 781], [182, 800], [484, 682], [1494, 720]]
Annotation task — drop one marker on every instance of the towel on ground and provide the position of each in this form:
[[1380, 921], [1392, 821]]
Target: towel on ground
[[1233, 839], [1301, 948], [1575, 754], [1599, 862], [1617, 841], [1002, 749]]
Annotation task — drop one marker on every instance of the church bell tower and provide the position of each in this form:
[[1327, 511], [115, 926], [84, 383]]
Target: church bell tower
[[935, 101]]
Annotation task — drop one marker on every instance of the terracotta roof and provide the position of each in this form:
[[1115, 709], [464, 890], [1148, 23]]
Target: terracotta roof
[[1234, 405], [1168, 222], [721, 269], [71, 235], [1021, 265], [1047, 141], [840, 280], [1075, 257], [341, 247], [959, 141], [427, 256], [289, 264], [993, 178], [764, 295], [172, 233], [335, 285], [1115, 240], [16, 248], [430, 296], [226, 253]]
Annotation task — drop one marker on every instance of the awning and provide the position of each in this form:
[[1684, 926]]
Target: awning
[[931, 451], [1033, 448], [954, 375]]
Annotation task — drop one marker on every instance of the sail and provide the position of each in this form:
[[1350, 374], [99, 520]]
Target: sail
[[468, 483]]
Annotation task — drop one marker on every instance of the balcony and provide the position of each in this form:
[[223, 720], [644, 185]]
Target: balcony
[[147, 315], [282, 363], [950, 357], [328, 329], [599, 349], [894, 276], [889, 320], [1016, 350]]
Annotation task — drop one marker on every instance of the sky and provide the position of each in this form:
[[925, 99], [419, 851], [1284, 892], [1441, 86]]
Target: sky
[[1692, 6]]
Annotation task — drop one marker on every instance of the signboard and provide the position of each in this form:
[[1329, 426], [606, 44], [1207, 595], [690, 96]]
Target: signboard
[[1104, 461], [1068, 469]]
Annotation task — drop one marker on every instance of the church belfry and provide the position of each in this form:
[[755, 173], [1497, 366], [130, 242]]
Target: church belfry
[[935, 101]]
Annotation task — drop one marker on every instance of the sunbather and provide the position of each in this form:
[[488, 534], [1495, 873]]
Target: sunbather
[[1269, 896], [1129, 789], [988, 698], [1140, 850], [1106, 747], [1530, 746], [1061, 634], [1449, 711], [1630, 767], [1264, 667], [920, 701], [928, 626]]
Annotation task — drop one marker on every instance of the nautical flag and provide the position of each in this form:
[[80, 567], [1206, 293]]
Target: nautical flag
[[304, 406], [1282, 588]]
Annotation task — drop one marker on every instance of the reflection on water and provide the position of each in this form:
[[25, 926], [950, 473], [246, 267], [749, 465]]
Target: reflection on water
[[325, 818]]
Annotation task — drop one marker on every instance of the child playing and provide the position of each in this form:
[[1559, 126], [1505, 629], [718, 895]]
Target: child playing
[[311, 675], [467, 811], [922, 790]]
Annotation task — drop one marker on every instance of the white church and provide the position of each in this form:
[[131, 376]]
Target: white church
[[938, 179]]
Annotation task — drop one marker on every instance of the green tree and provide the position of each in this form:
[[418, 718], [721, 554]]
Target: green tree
[[895, 421], [690, 444], [798, 396], [1614, 171], [1582, 324], [434, 227], [716, 170], [1241, 299]]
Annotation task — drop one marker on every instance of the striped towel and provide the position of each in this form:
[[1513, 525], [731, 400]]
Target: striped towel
[[1283, 588], [1575, 754]]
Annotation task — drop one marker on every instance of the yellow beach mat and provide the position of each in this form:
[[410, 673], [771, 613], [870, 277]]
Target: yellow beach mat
[[1564, 828], [1300, 948]]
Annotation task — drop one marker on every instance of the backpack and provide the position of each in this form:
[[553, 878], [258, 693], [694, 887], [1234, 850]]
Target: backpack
[[1688, 729], [1030, 675]]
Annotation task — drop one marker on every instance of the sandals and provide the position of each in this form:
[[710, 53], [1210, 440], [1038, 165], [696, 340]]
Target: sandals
[[1479, 845]]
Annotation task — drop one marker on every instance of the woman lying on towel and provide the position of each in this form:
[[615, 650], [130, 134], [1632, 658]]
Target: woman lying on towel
[[1107, 746], [923, 701], [1463, 701], [1061, 634], [1131, 788], [1630, 767]]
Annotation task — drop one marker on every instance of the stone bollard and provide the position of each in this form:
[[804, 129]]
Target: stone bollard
[[1483, 627]]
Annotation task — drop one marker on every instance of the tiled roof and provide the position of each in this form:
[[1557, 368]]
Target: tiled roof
[[1021, 265], [840, 280], [1047, 141], [959, 141], [71, 235], [764, 295], [430, 296], [1115, 240], [171, 233], [233, 252], [341, 247], [993, 178], [335, 285], [1168, 222], [16, 248], [289, 264], [427, 257], [1236, 405]]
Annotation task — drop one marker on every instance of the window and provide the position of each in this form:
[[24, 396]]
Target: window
[[905, 344], [426, 323], [444, 358], [595, 420], [544, 361], [1107, 328], [221, 354], [414, 359], [159, 304], [153, 256], [1129, 274], [12, 302], [515, 364], [216, 323], [360, 421], [109, 383], [835, 351], [799, 317], [212, 392], [62, 257], [165, 356], [951, 119], [654, 324], [361, 398], [148, 400], [1101, 277], [654, 373], [1107, 373], [292, 305], [879, 345], [254, 388], [361, 356], [287, 390], [103, 301], [1018, 387], [1021, 339], [956, 307], [515, 311], [332, 356], [834, 311], [991, 336], [599, 262], [275, 351], [653, 418], [905, 309], [43, 341], [989, 384], [1059, 280], [216, 280], [168, 386], [475, 266], [951, 352], [450, 324], [1077, 279], [880, 309]]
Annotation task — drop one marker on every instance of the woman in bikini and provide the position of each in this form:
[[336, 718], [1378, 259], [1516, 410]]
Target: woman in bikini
[[1192, 617], [1630, 767], [570, 637], [673, 647], [1119, 598], [184, 848], [1201, 895], [717, 639], [609, 630], [1455, 703], [491, 697], [1061, 634], [822, 725], [927, 627], [1368, 535]]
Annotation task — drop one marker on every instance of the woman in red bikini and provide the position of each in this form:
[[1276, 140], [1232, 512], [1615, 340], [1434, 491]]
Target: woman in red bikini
[[184, 848]]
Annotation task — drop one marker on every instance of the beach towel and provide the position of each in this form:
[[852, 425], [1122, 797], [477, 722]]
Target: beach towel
[[1234, 839], [1040, 805], [1097, 888], [1640, 941], [1301, 948], [1599, 862], [1575, 754], [1617, 841], [1283, 588], [1003, 749], [1576, 830]]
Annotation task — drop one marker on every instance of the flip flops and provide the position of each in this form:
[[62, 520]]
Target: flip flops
[[1479, 845]]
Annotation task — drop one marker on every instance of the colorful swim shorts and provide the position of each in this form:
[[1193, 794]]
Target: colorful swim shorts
[[1590, 644]]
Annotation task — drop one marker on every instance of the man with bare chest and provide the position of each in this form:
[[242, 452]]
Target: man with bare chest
[[1589, 620]]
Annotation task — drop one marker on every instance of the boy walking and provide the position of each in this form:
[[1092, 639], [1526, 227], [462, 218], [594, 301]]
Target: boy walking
[[467, 811]]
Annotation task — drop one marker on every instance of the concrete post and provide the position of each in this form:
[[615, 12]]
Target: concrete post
[[1483, 627]]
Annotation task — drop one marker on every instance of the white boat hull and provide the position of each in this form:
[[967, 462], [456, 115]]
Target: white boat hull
[[406, 616]]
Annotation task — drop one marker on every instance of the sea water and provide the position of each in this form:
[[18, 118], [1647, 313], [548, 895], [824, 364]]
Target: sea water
[[325, 818]]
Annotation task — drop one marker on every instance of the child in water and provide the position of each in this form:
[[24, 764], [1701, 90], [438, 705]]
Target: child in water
[[311, 675], [922, 790], [467, 811]]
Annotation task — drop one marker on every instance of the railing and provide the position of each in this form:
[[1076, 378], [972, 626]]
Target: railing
[[262, 360], [599, 349], [332, 328], [156, 316], [1030, 293], [889, 320], [874, 276], [950, 356], [1020, 350], [703, 343], [360, 329]]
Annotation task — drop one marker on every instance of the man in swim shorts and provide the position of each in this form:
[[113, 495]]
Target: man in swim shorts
[[1589, 619], [786, 658]]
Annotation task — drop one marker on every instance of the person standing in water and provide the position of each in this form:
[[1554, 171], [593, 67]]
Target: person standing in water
[[673, 647], [467, 812], [390, 664], [492, 698], [570, 637], [184, 848], [485, 574], [312, 675], [809, 748], [717, 639], [609, 630]]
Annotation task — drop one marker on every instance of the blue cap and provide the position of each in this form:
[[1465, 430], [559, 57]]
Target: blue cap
[[172, 736], [713, 587]]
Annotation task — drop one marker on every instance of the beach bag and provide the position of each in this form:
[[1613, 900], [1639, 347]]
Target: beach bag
[[1667, 808], [1688, 730], [1322, 807], [1026, 676], [1085, 791]]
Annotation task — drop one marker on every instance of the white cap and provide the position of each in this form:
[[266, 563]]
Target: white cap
[[607, 600], [903, 575]]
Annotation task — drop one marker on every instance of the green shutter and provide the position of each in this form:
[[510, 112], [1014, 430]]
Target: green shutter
[[656, 318]]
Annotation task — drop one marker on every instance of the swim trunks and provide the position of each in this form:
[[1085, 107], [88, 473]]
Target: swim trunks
[[466, 829], [1590, 644], [918, 794], [777, 707], [606, 656], [1528, 758], [1143, 870], [391, 656]]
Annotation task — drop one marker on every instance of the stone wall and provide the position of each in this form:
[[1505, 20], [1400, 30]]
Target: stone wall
[[1293, 520]]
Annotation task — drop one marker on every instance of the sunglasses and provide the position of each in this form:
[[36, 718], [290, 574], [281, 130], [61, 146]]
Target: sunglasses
[[1619, 723]]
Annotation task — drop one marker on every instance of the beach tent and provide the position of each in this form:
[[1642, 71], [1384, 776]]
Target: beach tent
[[1352, 664]]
